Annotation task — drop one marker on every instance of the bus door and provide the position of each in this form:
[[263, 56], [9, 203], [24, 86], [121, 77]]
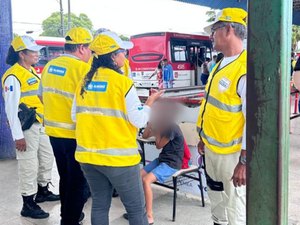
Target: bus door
[[182, 68], [198, 55]]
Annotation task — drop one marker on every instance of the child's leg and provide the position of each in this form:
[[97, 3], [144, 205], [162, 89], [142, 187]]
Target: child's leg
[[148, 179], [143, 173], [160, 173], [149, 167]]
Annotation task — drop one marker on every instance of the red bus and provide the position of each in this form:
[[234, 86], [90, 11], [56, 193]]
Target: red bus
[[185, 52], [54, 46]]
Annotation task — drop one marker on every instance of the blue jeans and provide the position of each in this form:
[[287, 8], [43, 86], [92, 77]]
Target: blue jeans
[[204, 78], [168, 84], [127, 182]]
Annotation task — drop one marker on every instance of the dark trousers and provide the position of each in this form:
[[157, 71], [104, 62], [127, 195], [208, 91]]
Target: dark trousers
[[72, 184], [204, 78]]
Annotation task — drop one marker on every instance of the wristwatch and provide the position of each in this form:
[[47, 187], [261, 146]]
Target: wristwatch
[[243, 160]]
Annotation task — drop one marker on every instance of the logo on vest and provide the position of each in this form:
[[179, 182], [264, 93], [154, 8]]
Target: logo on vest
[[57, 70], [97, 86], [9, 88], [224, 84], [32, 81]]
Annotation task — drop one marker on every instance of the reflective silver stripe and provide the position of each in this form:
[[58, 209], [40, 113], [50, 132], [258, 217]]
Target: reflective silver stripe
[[60, 92], [60, 125], [198, 130], [29, 93], [229, 108], [113, 152], [220, 144], [101, 111], [40, 115]]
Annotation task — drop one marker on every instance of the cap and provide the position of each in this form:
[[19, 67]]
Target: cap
[[20, 43], [231, 15], [107, 42], [100, 30], [78, 35]]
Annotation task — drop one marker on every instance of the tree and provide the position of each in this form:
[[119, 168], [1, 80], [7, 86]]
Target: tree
[[52, 26], [211, 15], [295, 36], [124, 38]]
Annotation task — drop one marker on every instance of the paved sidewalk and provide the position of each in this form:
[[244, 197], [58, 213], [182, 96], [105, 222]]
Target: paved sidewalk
[[189, 210]]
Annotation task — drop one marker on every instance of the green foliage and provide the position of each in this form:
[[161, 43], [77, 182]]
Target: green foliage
[[211, 15], [295, 36], [124, 38], [52, 25]]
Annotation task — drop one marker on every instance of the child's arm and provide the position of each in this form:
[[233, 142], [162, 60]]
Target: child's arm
[[148, 132], [161, 140]]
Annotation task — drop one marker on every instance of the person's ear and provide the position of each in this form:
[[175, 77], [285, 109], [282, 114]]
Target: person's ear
[[81, 49], [21, 55]]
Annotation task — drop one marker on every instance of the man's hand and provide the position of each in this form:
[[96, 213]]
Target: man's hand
[[200, 147], [239, 175], [21, 145]]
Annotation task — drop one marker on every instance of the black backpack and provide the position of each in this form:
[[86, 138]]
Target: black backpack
[[27, 116]]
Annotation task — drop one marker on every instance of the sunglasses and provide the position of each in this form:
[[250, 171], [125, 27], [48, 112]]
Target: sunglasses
[[120, 50], [215, 28]]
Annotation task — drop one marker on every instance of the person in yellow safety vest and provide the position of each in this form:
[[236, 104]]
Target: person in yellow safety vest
[[59, 80], [126, 68], [34, 153], [221, 121], [108, 114]]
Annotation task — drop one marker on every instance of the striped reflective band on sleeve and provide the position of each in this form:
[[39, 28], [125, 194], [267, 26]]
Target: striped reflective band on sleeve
[[40, 115], [60, 125], [198, 130], [60, 92], [29, 93], [220, 105], [221, 144], [114, 152], [102, 111]]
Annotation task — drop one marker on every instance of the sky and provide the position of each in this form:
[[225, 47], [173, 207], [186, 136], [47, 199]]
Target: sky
[[126, 17]]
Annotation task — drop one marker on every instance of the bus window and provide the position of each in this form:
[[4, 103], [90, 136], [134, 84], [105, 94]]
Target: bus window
[[179, 53], [43, 57], [47, 53], [54, 52]]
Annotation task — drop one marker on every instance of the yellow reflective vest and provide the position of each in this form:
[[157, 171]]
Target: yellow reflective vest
[[29, 83], [221, 120], [60, 78], [103, 132]]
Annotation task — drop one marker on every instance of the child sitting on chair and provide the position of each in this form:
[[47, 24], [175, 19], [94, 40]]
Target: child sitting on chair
[[169, 138]]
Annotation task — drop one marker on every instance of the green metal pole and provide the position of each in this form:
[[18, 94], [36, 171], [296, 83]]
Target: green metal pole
[[269, 47]]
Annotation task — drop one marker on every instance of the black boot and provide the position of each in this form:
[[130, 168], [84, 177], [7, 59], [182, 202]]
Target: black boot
[[31, 209], [44, 195]]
